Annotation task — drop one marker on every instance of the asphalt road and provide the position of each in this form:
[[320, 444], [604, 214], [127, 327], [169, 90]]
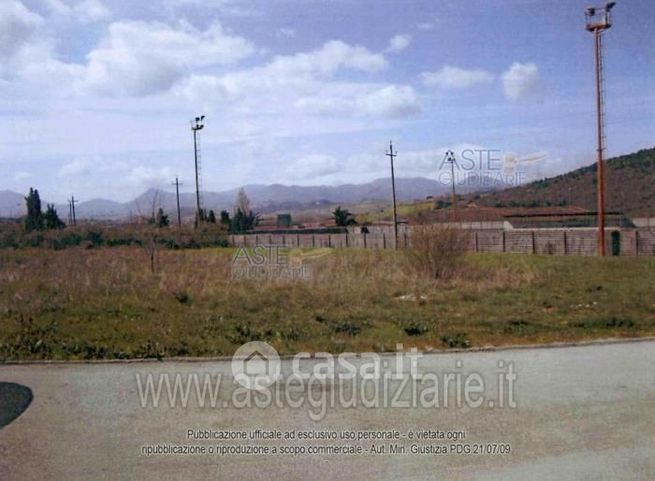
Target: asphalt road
[[583, 413]]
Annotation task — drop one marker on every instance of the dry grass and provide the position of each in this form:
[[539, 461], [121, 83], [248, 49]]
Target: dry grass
[[106, 303], [437, 251]]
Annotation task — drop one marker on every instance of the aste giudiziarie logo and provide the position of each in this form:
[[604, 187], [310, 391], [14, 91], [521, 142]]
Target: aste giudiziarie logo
[[320, 382], [267, 262], [486, 167]]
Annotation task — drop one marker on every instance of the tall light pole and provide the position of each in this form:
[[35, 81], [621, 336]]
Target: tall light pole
[[391, 156], [598, 19], [450, 158], [197, 125]]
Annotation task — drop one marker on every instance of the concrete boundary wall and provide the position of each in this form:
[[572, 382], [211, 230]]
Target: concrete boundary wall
[[644, 222], [582, 241]]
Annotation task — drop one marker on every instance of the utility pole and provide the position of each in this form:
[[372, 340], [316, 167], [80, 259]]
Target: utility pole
[[597, 21], [391, 156], [177, 194], [197, 125], [72, 203], [450, 158]]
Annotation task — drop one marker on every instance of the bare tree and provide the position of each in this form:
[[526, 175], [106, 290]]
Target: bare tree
[[243, 202]]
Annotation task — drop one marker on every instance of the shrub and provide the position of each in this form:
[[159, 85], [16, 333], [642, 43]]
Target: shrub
[[457, 340], [347, 328], [149, 350], [435, 250], [415, 329], [607, 323], [182, 297], [32, 340]]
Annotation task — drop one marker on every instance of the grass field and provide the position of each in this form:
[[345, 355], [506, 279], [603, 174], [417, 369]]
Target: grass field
[[404, 210], [106, 303]]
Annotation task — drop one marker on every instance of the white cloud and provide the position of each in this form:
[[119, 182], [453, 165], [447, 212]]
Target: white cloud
[[425, 26], [391, 101], [313, 167], [140, 58], [76, 167], [92, 11], [26, 51], [333, 56], [455, 78], [285, 77], [520, 80], [18, 29], [363, 100], [399, 43], [85, 11], [238, 8], [21, 175], [366, 166], [142, 176]]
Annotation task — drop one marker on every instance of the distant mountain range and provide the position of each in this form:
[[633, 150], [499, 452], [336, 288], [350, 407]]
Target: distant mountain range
[[630, 182], [263, 198], [12, 204], [629, 188]]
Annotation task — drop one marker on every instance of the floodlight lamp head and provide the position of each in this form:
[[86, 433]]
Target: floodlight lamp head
[[591, 11], [610, 6]]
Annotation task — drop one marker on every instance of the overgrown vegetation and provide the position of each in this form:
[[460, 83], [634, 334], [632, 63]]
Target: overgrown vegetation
[[343, 217], [36, 219], [436, 250], [106, 303], [243, 218], [94, 235]]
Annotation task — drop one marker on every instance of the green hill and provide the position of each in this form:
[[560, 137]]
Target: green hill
[[629, 182]]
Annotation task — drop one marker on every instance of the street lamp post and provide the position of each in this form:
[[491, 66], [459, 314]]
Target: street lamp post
[[450, 158], [197, 125]]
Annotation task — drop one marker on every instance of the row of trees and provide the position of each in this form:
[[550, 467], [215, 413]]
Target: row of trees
[[242, 220], [36, 219]]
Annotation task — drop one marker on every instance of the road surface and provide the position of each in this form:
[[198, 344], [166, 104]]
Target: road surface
[[582, 413]]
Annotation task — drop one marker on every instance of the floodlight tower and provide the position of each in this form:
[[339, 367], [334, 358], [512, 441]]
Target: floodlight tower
[[197, 125], [598, 19]]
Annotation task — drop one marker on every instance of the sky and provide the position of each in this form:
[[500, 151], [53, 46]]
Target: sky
[[96, 96]]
